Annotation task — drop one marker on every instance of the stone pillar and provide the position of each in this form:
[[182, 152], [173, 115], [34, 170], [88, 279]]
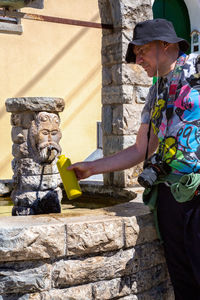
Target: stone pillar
[[124, 89], [35, 134]]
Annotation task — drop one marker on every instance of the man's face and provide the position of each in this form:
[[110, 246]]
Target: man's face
[[149, 56]]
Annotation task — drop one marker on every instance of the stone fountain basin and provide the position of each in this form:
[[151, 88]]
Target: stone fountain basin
[[96, 197], [84, 253]]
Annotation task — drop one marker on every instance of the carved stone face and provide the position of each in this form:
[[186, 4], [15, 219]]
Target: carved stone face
[[45, 136], [48, 128]]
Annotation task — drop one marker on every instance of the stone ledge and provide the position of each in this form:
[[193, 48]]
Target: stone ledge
[[24, 104], [56, 235], [24, 238]]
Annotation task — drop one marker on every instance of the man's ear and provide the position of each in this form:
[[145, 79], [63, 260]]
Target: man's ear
[[166, 45]]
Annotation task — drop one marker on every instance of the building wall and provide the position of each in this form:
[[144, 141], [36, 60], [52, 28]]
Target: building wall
[[55, 60], [193, 10]]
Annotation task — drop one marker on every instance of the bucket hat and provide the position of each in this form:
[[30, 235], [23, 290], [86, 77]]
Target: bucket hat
[[154, 30]]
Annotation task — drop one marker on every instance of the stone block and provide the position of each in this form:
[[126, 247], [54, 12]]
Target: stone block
[[20, 150], [93, 237], [125, 178], [162, 291], [22, 238], [112, 53], [24, 277], [16, 297], [106, 76], [141, 94], [112, 39], [115, 143], [25, 104], [115, 9], [123, 12], [105, 12], [28, 198], [122, 74], [118, 94], [114, 47], [29, 167], [138, 75], [146, 279], [135, 12], [107, 119], [114, 57], [129, 74], [76, 272], [131, 231], [39, 182], [83, 292], [108, 179], [128, 177], [22, 119], [126, 120], [148, 232], [139, 230], [148, 255], [19, 135], [111, 289]]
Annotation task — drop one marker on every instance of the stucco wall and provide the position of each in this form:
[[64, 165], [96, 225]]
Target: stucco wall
[[193, 10], [55, 60]]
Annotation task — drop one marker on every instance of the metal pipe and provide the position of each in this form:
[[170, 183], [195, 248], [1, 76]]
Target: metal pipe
[[35, 17]]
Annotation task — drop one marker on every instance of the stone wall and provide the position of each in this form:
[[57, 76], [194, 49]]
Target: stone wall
[[115, 255], [123, 88]]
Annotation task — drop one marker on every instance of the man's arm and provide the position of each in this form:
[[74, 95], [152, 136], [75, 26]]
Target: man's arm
[[124, 159]]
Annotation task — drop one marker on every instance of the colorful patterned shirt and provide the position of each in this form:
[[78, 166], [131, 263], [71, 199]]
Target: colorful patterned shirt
[[179, 142]]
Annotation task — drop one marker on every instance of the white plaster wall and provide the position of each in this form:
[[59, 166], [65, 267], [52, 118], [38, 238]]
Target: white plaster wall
[[194, 12]]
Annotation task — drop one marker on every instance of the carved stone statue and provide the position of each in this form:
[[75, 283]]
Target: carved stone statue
[[45, 136], [36, 136]]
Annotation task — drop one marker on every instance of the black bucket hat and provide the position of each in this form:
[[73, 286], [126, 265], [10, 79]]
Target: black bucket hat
[[154, 30]]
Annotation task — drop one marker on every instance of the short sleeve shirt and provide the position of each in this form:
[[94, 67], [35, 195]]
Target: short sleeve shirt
[[179, 138]]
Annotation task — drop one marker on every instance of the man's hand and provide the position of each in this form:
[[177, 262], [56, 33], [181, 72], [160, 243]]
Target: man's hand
[[81, 169], [122, 160]]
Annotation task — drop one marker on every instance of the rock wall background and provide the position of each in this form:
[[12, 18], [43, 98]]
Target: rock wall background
[[123, 88]]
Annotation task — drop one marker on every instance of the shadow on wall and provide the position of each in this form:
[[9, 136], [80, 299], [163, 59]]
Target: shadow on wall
[[44, 70], [82, 84], [81, 106], [51, 63]]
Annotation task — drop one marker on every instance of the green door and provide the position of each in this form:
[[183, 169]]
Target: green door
[[176, 12]]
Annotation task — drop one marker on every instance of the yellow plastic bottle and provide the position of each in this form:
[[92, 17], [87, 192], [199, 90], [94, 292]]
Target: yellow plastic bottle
[[70, 182]]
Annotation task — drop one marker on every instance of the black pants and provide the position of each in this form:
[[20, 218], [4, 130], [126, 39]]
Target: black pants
[[179, 225]]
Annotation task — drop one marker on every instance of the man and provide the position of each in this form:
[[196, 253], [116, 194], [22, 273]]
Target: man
[[170, 123]]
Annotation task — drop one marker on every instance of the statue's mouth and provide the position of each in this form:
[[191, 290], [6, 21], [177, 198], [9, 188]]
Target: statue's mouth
[[48, 152]]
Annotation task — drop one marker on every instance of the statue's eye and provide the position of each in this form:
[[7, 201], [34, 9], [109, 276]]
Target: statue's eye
[[45, 132], [54, 132]]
